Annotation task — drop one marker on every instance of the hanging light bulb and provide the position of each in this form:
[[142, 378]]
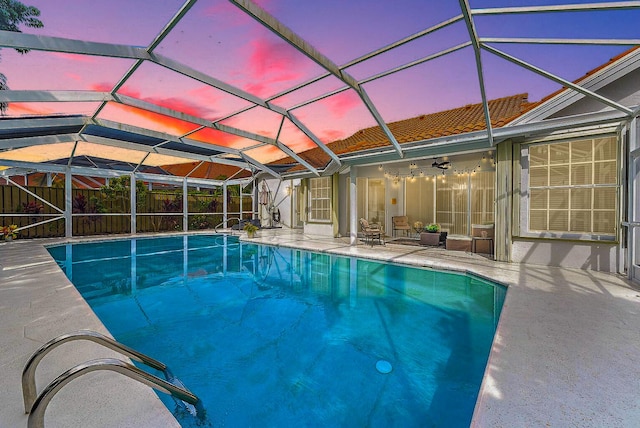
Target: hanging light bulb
[[421, 173], [380, 167]]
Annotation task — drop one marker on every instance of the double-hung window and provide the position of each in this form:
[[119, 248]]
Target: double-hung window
[[571, 189], [320, 199]]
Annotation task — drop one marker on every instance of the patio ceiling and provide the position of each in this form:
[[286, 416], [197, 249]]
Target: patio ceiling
[[257, 87]]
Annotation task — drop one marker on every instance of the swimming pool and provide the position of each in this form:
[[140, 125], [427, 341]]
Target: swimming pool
[[270, 336]]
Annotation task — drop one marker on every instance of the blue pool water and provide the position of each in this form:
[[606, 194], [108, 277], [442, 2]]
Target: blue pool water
[[274, 337]]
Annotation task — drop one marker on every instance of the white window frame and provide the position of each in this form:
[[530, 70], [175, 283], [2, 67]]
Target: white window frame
[[524, 192], [315, 198]]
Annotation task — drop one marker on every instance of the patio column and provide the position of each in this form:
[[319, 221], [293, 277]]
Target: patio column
[[133, 195], [254, 198], [504, 201], [68, 204], [353, 207]]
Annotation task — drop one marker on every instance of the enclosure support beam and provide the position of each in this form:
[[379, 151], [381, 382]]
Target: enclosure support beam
[[133, 202], [471, 28], [559, 80], [68, 204], [224, 204], [185, 206], [285, 33]]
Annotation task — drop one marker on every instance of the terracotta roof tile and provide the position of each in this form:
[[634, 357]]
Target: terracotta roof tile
[[450, 122], [206, 170]]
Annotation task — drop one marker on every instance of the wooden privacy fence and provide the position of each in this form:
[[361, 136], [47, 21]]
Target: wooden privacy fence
[[96, 213]]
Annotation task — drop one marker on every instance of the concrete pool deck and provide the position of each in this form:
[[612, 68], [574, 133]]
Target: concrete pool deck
[[564, 354]]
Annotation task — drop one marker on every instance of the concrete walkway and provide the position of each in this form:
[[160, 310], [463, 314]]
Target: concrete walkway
[[564, 354]]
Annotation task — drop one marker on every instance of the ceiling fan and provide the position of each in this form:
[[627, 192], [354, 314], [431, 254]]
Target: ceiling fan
[[441, 165]]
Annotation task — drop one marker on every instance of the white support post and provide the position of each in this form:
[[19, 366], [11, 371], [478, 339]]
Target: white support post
[[224, 204], [68, 204], [133, 202], [353, 207], [254, 199], [49, 179], [185, 206], [632, 191]]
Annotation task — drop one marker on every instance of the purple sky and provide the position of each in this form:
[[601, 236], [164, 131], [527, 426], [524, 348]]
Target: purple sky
[[216, 38]]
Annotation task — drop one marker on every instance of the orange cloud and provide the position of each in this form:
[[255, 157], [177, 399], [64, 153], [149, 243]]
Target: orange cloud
[[330, 135], [178, 104], [220, 138], [17, 109], [146, 119]]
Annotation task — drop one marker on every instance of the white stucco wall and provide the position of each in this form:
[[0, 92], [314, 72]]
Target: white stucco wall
[[281, 199], [589, 255], [318, 229]]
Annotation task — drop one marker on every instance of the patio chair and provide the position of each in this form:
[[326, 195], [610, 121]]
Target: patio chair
[[400, 222], [371, 231]]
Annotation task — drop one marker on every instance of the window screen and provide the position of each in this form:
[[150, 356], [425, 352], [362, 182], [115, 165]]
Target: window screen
[[573, 187], [320, 199]]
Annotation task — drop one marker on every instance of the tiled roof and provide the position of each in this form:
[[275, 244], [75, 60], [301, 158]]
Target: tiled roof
[[206, 170], [450, 122]]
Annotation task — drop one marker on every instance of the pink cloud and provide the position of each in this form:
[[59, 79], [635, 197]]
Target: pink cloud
[[339, 105], [206, 95], [181, 105], [271, 62], [73, 76], [101, 87], [75, 57]]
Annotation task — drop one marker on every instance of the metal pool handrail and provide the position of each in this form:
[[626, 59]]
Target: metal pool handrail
[[36, 417], [29, 372], [215, 229]]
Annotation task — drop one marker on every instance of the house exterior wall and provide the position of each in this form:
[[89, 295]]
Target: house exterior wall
[[623, 90], [570, 254]]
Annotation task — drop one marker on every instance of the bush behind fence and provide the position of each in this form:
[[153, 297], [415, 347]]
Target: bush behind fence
[[95, 213]]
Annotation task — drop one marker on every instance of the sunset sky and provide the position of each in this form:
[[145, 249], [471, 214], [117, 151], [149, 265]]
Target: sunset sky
[[216, 38]]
